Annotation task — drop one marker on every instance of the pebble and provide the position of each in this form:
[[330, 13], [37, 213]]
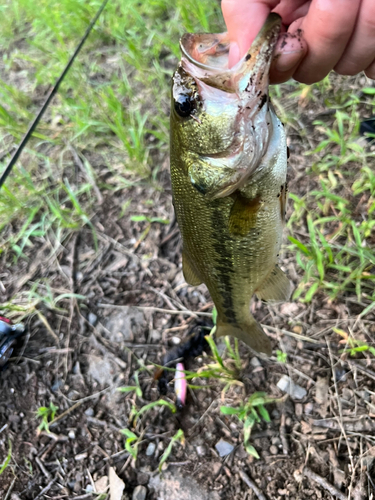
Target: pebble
[[89, 412], [93, 319], [150, 449], [71, 434], [142, 478], [139, 493], [285, 384], [201, 450], [224, 448], [176, 340], [255, 362], [274, 450]]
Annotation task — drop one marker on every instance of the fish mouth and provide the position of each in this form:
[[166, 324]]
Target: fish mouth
[[206, 57]]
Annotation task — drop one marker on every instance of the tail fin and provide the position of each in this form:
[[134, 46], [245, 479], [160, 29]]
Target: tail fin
[[251, 333]]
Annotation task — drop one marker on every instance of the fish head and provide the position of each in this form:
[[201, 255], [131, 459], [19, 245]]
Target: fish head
[[220, 123]]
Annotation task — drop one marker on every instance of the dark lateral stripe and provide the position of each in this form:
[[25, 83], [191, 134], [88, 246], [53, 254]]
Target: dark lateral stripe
[[224, 264]]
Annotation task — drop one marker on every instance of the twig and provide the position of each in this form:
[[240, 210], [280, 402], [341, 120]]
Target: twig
[[42, 468], [324, 484], [10, 489], [245, 478], [156, 309], [65, 413], [291, 334], [339, 405], [284, 440], [44, 490]]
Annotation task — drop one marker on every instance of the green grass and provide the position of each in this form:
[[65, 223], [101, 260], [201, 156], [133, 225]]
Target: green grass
[[107, 130]]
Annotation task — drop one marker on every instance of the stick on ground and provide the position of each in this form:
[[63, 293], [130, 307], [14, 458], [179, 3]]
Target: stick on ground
[[245, 478], [324, 484]]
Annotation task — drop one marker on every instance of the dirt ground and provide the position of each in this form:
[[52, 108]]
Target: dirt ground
[[320, 443], [79, 361]]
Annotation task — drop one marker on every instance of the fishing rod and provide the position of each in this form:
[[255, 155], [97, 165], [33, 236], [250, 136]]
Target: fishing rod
[[9, 332], [51, 94]]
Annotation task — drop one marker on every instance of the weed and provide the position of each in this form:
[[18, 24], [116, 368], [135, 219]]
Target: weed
[[6, 462], [131, 442], [130, 388], [250, 413], [179, 436], [354, 346], [47, 414], [281, 356]]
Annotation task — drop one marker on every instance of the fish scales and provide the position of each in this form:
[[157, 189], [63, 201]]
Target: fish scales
[[229, 187]]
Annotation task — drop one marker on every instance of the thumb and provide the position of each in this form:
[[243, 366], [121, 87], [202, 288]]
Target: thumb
[[244, 19]]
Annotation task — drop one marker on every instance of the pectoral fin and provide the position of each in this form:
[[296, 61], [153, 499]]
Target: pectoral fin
[[243, 214], [275, 287], [251, 333], [190, 274]]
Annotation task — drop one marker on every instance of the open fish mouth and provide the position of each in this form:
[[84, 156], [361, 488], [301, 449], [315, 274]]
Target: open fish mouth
[[242, 93], [205, 56]]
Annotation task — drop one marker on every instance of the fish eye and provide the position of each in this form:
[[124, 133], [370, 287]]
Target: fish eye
[[184, 105]]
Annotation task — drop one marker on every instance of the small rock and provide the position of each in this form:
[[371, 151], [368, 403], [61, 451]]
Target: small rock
[[142, 478], [201, 451], [224, 448], [274, 450], [71, 434], [308, 408], [150, 449], [89, 488], [92, 318], [285, 384], [255, 362], [125, 325], [155, 335], [176, 340], [289, 308], [89, 412], [100, 369], [56, 386], [139, 493]]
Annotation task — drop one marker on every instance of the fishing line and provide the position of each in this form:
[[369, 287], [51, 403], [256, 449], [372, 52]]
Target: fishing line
[[53, 91]]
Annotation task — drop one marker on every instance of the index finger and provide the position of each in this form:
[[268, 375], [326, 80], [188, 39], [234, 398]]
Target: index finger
[[244, 19]]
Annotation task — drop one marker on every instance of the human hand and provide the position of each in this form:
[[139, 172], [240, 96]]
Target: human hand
[[337, 34]]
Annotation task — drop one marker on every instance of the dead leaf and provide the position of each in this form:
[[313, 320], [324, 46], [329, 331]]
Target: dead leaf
[[321, 395], [116, 485], [101, 485]]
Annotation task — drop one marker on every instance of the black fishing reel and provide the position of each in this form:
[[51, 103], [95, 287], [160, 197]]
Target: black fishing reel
[[9, 333]]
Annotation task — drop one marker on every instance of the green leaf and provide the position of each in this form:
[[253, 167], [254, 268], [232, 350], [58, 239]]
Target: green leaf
[[214, 350], [160, 402], [6, 462], [139, 218], [251, 450], [227, 410], [214, 315], [300, 245], [129, 434], [264, 413], [311, 292], [179, 436]]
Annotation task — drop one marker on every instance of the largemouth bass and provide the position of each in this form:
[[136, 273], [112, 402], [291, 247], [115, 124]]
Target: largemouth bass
[[228, 169]]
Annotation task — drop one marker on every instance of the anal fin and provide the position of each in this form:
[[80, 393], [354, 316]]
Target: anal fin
[[275, 287], [251, 333], [190, 275]]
